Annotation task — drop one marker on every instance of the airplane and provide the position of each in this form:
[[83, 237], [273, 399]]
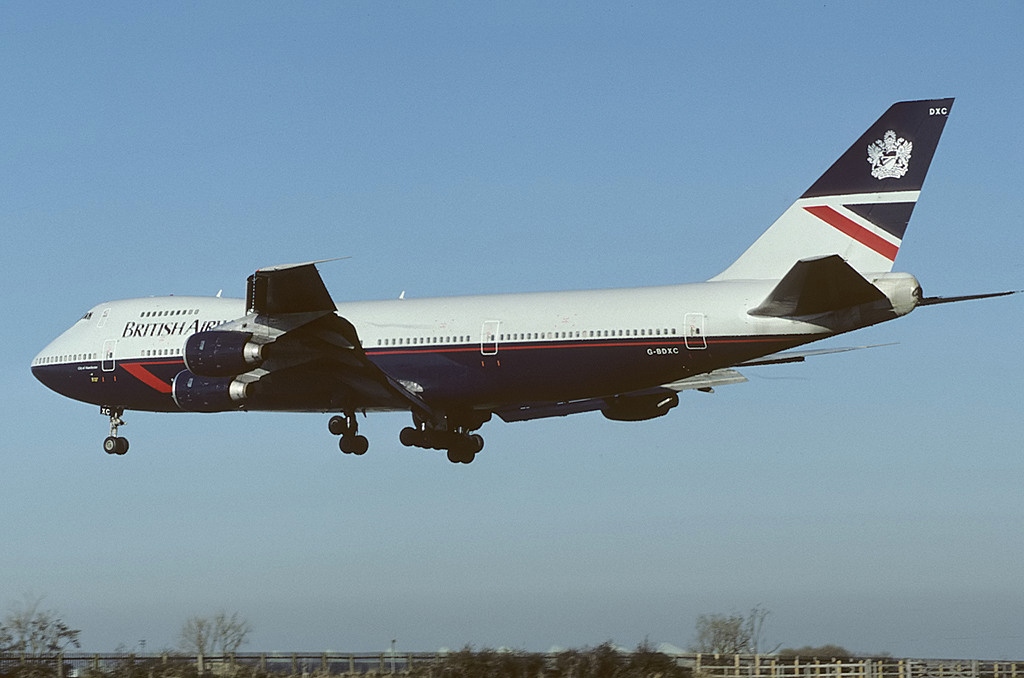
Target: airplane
[[825, 267]]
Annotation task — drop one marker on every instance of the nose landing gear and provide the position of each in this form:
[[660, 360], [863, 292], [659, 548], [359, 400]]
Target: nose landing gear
[[113, 444]]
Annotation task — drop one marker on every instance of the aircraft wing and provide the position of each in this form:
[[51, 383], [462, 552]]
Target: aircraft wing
[[658, 400], [314, 359], [800, 356], [651, 397]]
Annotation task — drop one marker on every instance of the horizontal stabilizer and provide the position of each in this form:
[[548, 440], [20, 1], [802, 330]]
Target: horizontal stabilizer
[[930, 301], [815, 286]]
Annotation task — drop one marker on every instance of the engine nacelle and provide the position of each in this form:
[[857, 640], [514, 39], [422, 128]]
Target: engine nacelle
[[222, 354], [639, 408], [197, 393], [902, 289]]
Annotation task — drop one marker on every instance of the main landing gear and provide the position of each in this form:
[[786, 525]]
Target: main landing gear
[[112, 444], [347, 427], [462, 446]]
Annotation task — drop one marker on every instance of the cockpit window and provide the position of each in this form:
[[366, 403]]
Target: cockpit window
[[87, 316]]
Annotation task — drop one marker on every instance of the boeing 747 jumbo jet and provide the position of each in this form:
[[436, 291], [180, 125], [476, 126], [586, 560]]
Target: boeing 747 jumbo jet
[[823, 268]]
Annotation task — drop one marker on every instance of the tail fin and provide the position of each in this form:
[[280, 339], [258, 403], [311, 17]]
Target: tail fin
[[860, 207]]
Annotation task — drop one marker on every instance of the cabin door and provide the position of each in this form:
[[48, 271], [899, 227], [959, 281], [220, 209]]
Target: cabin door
[[107, 363], [489, 337], [693, 331]]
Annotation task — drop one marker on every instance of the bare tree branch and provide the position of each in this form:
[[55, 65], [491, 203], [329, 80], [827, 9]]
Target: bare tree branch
[[732, 634], [219, 634], [35, 632]]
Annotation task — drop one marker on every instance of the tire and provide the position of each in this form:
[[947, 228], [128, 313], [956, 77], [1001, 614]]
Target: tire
[[409, 437], [462, 452], [337, 426], [357, 445]]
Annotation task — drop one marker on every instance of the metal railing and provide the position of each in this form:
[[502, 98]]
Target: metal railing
[[82, 665], [757, 666], [297, 664]]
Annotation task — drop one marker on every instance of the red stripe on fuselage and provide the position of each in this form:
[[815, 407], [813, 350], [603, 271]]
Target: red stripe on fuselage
[[854, 230], [138, 371]]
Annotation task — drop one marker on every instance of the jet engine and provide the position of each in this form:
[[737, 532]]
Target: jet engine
[[198, 393], [222, 354], [639, 407]]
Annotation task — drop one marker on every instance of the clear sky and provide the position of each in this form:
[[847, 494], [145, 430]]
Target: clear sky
[[870, 499]]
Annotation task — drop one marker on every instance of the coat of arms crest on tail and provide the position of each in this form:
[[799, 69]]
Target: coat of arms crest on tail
[[889, 156]]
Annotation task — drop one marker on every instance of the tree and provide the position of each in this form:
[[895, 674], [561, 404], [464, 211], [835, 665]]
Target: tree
[[30, 630], [219, 634], [827, 651], [646, 661], [732, 634]]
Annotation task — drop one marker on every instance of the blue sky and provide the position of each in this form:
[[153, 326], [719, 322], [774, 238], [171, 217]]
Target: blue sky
[[869, 499]]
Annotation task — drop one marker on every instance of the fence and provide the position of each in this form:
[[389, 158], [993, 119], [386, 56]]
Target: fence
[[294, 665], [757, 666], [78, 665]]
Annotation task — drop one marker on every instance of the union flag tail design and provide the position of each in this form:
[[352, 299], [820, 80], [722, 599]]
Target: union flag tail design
[[860, 207]]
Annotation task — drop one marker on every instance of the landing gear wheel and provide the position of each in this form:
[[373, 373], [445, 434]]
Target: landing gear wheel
[[338, 426], [462, 452], [357, 445], [409, 437], [114, 445]]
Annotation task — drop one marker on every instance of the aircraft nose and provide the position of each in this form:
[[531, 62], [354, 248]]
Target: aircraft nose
[[45, 368], [54, 366]]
